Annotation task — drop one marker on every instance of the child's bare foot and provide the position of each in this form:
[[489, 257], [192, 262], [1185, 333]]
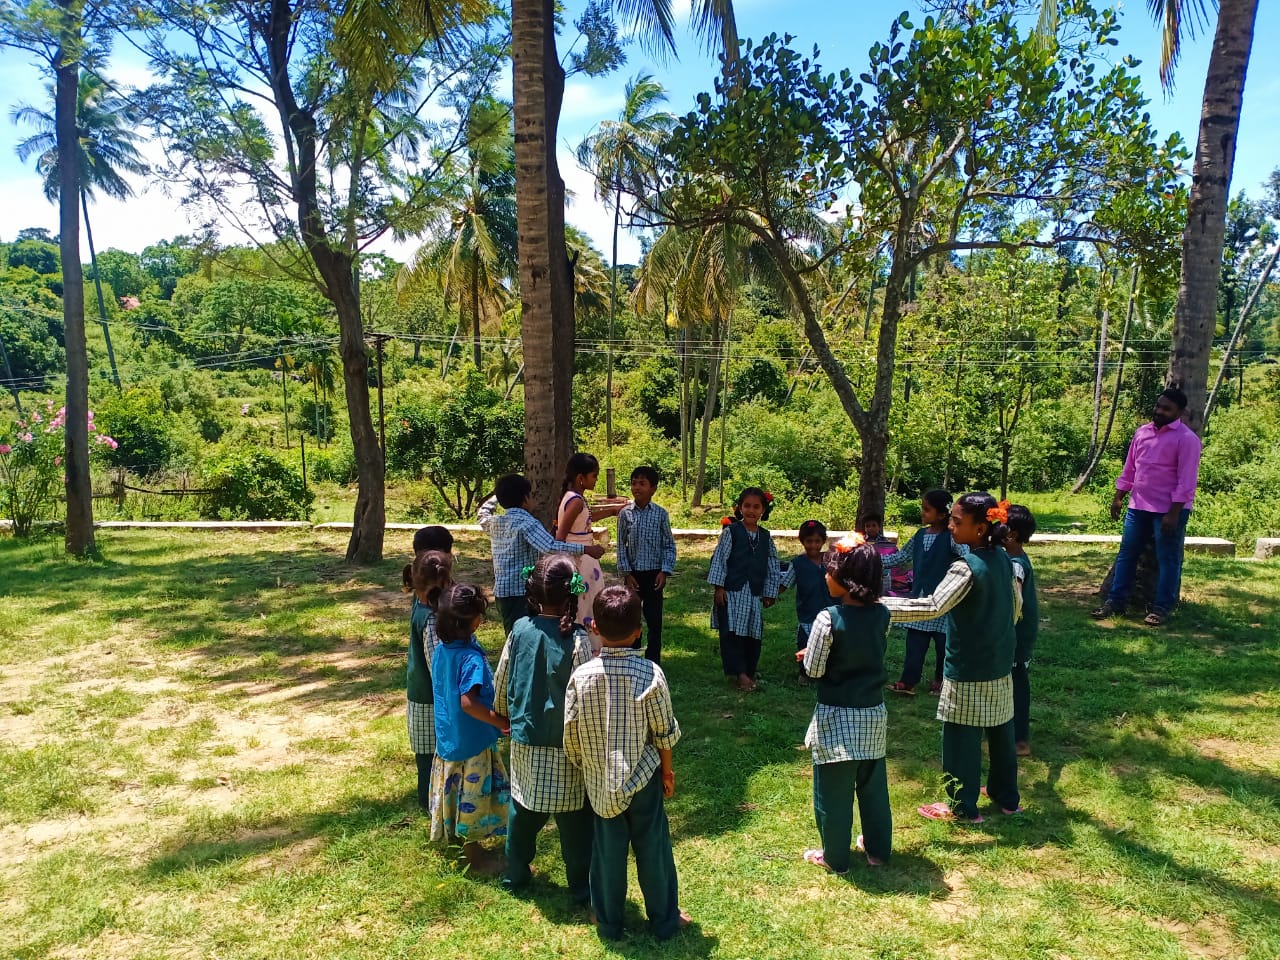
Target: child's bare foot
[[685, 919], [1022, 748], [745, 683], [484, 862]]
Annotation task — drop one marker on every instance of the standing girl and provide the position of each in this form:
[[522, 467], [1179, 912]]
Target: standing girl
[[469, 794], [573, 521], [982, 595], [744, 571], [929, 552], [848, 733], [429, 573], [542, 652]]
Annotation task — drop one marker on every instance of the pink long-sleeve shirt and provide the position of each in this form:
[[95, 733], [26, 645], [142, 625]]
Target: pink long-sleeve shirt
[[1162, 467]]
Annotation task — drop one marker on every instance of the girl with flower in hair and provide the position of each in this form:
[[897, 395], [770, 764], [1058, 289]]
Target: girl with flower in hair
[[574, 518], [745, 573], [849, 729], [983, 597], [541, 654]]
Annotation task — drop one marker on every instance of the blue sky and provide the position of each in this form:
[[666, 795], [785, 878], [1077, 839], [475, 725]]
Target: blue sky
[[842, 31]]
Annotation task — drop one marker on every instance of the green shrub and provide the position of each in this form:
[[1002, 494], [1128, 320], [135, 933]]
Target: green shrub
[[333, 464], [316, 419], [252, 485], [149, 440]]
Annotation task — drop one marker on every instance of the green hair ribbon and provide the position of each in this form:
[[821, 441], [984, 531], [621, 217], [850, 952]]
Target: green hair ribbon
[[577, 586], [526, 572]]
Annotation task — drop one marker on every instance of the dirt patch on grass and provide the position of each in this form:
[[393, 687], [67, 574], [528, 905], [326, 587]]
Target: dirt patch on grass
[[1264, 756], [1208, 937], [959, 902]]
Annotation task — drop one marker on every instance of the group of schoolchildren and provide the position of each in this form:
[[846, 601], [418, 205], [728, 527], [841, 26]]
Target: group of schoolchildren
[[589, 713]]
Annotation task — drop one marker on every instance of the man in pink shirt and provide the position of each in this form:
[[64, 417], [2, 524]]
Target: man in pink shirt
[[1159, 476]]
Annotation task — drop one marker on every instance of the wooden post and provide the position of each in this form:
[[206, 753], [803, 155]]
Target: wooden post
[[302, 443], [610, 482]]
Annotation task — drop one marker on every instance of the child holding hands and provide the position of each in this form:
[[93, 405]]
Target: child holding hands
[[646, 553], [745, 573], [540, 655], [469, 793], [847, 736], [619, 728]]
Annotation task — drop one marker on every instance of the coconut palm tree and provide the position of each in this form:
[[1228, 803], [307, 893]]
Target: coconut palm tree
[[1196, 314], [473, 257], [620, 154], [106, 152]]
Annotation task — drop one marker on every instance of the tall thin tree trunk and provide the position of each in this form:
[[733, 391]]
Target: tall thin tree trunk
[[1101, 447], [684, 412], [476, 356], [613, 307], [724, 403], [8, 374], [546, 283], [708, 411], [79, 531], [1098, 371], [1195, 317], [1237, 333], [97, 286]]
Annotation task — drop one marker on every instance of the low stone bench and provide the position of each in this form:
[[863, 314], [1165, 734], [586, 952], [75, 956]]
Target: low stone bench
[[1266, 547]]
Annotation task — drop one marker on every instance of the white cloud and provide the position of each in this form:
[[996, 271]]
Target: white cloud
[[586, 104], [590, 215]]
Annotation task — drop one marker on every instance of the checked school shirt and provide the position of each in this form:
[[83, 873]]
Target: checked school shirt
[[644, 539], [617, 716], [744, 612], [517, 539], [837, 734], [542, 778], [973, 703]]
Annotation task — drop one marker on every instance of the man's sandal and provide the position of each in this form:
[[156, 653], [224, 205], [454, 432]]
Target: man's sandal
[[940, 811], [1108, 609], [1154, 619]]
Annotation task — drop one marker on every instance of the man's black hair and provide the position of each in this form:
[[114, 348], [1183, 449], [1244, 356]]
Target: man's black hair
[[1176, 395]]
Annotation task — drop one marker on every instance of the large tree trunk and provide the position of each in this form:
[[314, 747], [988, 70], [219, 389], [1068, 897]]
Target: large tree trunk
[[546, 282], [335, 269], [79, 532], [1195, 318]]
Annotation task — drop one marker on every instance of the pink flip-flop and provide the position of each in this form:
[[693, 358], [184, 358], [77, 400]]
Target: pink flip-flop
[[1005, 810], [861, 847], [816, 858], [940, 811]]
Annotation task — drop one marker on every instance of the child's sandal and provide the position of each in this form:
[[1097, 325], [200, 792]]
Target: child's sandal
[[899, 687], [816, 858], [942, 812], [861, 846]]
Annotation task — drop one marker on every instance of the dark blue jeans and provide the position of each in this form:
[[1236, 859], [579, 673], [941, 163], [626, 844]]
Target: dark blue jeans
[[1140, 528]]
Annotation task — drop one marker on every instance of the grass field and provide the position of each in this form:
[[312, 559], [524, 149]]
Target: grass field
[[202, 754]]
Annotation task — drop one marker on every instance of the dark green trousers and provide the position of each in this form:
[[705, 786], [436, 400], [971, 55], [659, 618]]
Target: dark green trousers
[[643, 828], [576, 829], [511, 609], [962, 765], [423, 762], [834, 787]]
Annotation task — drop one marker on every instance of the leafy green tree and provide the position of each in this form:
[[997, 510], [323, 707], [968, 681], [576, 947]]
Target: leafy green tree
[[30, 330], [347, 157], [40, 255], [955, 131], [122, 272]]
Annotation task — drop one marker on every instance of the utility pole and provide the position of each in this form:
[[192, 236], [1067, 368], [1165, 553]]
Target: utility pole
[[284, 388]]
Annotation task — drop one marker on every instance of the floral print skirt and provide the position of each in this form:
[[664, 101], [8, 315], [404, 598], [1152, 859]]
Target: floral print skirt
[[470, 799]]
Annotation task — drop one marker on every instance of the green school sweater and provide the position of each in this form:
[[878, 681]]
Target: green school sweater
[[981, 640]]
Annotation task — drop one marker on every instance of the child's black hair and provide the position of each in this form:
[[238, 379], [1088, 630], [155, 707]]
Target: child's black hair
[[874, 517], [432, 538], [976, 506], [579, 463], [617, 612], [939, 499], [1022, 522], [859, 570], [429, 573], [648, 472], [812, 528], [512, 490], [548, 590], [753, 492], [459, 605]]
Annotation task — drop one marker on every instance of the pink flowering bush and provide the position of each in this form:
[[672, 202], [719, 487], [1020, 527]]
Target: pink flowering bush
[[31, 474]]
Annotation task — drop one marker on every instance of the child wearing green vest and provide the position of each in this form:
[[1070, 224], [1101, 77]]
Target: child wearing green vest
[[1022, 526], [540, 655], [981, 594], [430, 572], [845, 656], [747, 578]]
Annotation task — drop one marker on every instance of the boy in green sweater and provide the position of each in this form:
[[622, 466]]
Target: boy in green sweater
[[847, 735]]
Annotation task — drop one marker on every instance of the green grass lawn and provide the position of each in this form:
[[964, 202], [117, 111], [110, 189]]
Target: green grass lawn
[[202, 754]]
